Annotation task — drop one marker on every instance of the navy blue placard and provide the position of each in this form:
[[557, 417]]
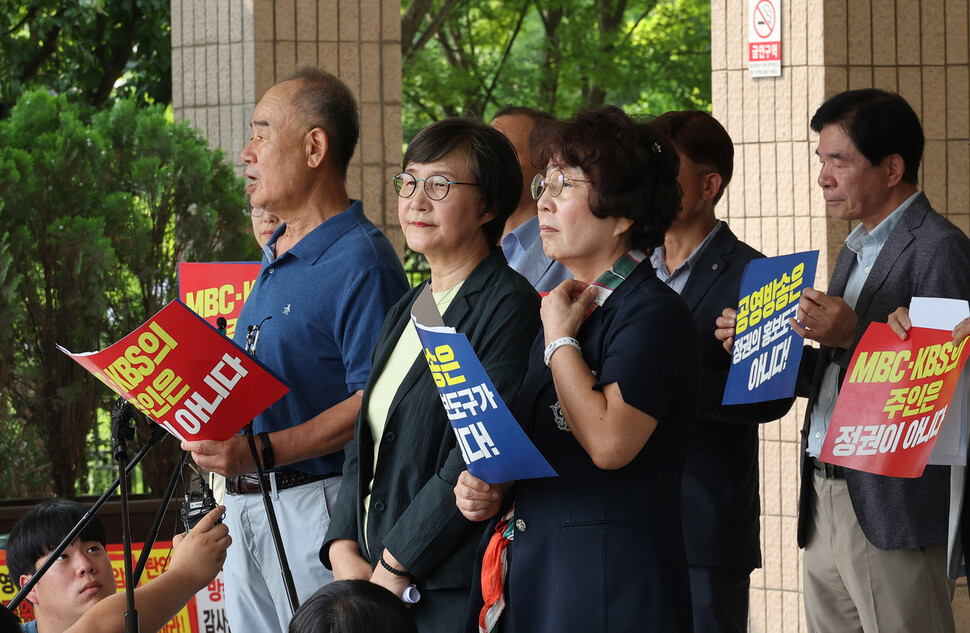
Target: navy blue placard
[[494, 446], [766, 350]]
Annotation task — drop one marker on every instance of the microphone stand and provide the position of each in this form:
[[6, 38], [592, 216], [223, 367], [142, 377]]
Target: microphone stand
[[158, 434], [252, 338], [159, 517], [121, 432]]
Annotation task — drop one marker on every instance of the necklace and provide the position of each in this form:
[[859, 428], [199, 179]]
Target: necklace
[[445, 295]]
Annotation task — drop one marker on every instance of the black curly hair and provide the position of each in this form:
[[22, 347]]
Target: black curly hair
[[632, 168]]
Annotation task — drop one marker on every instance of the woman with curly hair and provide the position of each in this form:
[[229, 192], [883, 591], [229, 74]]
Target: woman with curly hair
[[609, 399]]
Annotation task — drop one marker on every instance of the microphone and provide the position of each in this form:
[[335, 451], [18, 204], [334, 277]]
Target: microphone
[[221, 324], [121, 429], [198, 503], [252, 336], [120, 414]]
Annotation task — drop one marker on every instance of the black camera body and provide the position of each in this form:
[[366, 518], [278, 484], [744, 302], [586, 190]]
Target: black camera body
[[197, 504]]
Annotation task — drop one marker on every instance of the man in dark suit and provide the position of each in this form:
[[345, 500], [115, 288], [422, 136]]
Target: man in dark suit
[[703, 261], [875, 546]]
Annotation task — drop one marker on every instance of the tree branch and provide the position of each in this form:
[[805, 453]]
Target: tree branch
[[31, 13], [640, 19], [47, 49], [411, 22], [551, 54], [408, 51], [113, 61], [505, 54]]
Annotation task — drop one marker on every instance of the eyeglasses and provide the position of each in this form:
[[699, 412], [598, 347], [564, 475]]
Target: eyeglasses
[[253, 211], [554, 182], [436, 187]]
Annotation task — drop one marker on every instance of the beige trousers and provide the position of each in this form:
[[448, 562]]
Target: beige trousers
[[853, 586]]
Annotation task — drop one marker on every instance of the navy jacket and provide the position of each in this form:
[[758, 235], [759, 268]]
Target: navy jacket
[[602, 550], [720, 502]]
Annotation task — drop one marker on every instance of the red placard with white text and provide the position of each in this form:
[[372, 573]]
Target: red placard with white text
[[215, 289], [893, 401], [182, 373]]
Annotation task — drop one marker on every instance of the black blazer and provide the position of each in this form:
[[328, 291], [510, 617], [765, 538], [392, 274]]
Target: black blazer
[[925, 256], [412, 505], [720, 502]]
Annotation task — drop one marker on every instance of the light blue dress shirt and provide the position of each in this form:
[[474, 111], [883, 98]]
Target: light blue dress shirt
[[678, 279], [523, 250], [866, 247]]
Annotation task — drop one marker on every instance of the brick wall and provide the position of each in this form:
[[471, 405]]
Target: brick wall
[[919, 49]]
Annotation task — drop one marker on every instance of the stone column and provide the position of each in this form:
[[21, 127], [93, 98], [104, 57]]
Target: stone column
[[917, 48], [227, 53]]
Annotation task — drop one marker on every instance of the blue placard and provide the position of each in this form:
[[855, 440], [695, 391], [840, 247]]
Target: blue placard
[[494, 446], [766, 350]]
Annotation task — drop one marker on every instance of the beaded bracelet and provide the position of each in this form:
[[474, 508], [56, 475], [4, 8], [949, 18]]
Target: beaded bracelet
[[396, 572]]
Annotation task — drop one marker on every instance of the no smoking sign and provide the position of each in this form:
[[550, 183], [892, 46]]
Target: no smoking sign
[[764, 38], [764, 18]]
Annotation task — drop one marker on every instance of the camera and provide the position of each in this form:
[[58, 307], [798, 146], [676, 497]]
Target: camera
[[197, 504]]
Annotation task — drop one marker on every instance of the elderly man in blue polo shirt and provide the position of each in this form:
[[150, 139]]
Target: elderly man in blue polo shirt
[[327, 280]]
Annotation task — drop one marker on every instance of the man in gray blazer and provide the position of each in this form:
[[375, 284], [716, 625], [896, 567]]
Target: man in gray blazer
[[875, 546]]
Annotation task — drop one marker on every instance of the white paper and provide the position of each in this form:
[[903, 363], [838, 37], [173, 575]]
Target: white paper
[[70, 353], [938, 314], [411, 595], [950, 448]]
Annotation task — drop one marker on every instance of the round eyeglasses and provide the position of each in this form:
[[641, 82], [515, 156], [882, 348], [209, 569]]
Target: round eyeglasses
[[253, 211], [435, 187], [553, 182]]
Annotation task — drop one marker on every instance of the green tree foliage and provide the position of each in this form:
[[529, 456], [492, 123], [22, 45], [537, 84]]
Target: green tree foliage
[[93, 50], [186, 204], [476, 56], [98, 213], [23, 468]]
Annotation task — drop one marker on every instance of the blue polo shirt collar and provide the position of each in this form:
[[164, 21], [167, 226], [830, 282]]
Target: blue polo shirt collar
[[315, 243]]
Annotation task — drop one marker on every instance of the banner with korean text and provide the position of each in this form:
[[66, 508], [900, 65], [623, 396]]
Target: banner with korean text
[[893, 401], [205, 612], [183, 374], [764, 365], [214, 290], [493, 445]]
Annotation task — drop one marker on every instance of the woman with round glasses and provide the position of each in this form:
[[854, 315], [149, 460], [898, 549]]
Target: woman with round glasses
[[396, 522], [608, 400], [264, 224]]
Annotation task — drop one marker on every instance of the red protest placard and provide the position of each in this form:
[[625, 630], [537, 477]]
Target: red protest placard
[[186, 376], [214, 290], [893, 401]]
